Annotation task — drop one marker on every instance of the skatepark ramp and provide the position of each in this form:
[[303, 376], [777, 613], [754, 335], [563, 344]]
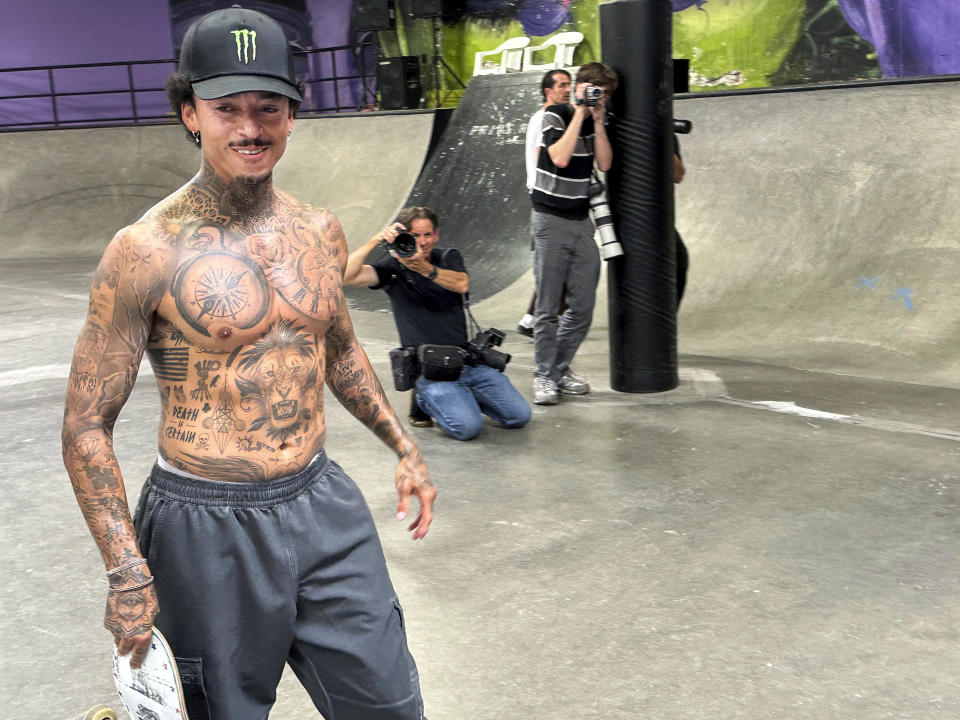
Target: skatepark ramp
[[475, 180], [822, 225], [824, 230], [66, 192]]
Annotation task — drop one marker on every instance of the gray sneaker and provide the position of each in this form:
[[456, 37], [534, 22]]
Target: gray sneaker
[[544, 391], [570, 385]]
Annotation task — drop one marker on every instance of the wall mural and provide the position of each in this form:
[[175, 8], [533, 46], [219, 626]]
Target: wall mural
[[730, 43]]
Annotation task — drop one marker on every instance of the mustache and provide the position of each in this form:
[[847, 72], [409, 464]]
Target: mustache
[[250, 142]]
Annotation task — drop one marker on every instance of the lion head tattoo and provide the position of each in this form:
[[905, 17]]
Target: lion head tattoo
[[277, 376]]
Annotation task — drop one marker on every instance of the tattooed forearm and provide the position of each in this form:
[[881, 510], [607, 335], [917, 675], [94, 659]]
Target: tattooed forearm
[[111, 507], [354, 384], [123, 296]]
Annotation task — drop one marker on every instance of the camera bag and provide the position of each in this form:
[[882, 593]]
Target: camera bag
[[405, 367], [440, 362]]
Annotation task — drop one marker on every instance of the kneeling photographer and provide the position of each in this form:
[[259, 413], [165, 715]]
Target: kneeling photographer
[[457, 379]]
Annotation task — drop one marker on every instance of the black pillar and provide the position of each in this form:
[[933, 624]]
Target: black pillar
[[636, 41]]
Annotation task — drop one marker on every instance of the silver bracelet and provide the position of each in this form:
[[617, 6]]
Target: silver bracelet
[[145, 583], [126, 566]]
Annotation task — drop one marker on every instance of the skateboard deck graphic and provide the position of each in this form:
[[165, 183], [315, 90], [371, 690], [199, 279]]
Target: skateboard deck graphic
[[152, 691]]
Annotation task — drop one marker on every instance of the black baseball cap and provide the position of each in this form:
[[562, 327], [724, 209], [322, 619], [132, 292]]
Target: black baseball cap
[[237, 50]]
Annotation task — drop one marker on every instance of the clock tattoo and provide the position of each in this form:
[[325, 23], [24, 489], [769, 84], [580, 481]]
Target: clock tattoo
[[314, 291], [219, 286]]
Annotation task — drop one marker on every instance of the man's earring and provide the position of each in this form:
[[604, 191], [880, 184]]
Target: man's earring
[[196, 136], [289, 133]]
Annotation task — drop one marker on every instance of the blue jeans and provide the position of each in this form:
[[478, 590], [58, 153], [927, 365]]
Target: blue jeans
[[458, 405]]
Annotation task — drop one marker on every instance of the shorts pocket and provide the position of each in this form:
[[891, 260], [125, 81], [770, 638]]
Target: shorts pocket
[[194, 692], [148, 518], [399, 611]]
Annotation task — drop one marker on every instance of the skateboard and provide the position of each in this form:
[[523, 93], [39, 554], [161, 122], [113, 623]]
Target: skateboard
[[152, 691], [100, 712]]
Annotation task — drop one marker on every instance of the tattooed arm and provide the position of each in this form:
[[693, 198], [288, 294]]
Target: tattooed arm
[[125, 291], [352, 380]]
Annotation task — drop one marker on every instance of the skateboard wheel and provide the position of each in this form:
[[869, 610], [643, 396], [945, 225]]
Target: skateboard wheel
[[100, 712]]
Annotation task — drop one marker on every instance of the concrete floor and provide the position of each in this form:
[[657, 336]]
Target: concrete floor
[[692, 554], [775, 539]]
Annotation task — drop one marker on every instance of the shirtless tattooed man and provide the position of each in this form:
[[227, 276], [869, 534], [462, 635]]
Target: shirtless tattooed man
[[250, 548]]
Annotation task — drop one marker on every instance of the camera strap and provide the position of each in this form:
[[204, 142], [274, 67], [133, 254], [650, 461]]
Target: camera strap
[[474, 325], [594, 172]]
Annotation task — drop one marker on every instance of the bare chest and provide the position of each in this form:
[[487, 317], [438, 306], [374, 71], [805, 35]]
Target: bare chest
[[227, 288]]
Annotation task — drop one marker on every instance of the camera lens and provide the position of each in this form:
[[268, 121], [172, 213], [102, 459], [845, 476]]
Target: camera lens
[[404, 245], [494, 358]]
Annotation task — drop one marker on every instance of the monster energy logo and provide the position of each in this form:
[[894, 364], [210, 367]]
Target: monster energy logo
[[249, 42]]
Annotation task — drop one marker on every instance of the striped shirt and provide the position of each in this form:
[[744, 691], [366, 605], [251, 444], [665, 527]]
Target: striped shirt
[[563, 191], [532, 147]]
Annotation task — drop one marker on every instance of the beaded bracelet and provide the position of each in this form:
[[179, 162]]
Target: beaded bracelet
[[126, 566]]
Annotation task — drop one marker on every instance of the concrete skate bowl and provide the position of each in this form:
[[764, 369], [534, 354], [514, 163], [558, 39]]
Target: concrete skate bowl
[[824, 230], [66, 192], [475, 180]]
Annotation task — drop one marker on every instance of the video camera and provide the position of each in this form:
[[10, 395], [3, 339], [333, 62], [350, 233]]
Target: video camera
[[591, 96]]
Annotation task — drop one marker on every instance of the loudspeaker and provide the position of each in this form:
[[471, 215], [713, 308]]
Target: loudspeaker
[[373, 15], [399, 81], [426, 8]]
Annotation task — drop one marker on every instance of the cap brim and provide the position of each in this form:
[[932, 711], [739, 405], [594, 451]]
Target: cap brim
[[219, 87]]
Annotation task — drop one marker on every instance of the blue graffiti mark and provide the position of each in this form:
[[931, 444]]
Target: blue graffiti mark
[[680, 5], [870, 283], [904, 294]]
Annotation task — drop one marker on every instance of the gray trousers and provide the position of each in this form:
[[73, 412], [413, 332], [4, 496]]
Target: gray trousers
[[251, 576], [564, 255]]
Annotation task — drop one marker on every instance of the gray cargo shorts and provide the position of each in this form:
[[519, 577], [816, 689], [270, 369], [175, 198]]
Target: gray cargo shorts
[[251, 576]]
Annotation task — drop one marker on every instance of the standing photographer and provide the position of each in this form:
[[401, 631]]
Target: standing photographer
[[565, 254], [555, 87], [426, 292]]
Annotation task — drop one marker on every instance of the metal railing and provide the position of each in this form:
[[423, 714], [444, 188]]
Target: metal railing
[[337, 79]]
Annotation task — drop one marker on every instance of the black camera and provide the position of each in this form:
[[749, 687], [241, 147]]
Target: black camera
[[404, 245], [682, 127], [482, 349], [591, 96]]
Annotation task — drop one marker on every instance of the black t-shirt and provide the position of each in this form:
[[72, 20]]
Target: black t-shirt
[[425, 313]]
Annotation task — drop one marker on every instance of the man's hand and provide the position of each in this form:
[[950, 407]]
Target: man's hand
[[356, 272], [598, 110], [129, 617], [419, 262], [578, 107], [678, 169], [389, 233], [412, 478]]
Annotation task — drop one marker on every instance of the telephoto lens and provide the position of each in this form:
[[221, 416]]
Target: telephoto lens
[[610, 247], [404, 245]]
